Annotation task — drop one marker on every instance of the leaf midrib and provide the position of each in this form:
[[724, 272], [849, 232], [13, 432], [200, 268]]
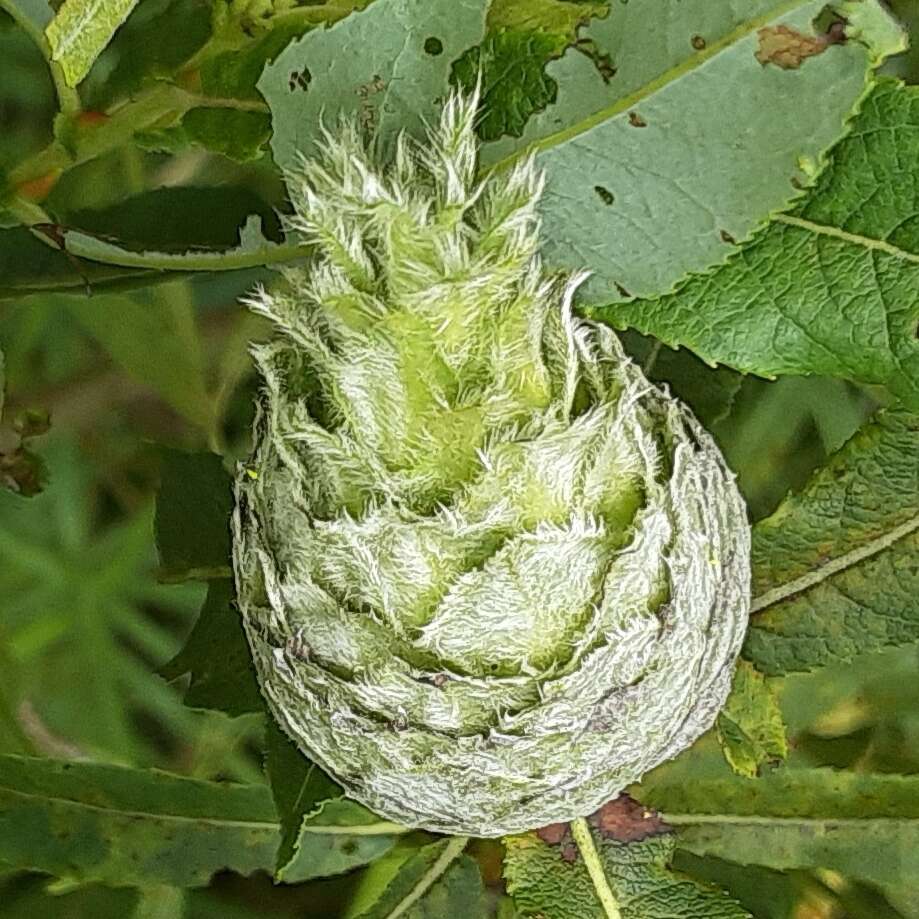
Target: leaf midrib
[[858, 239], [835, 566], [71, 37], [777, 822], [381, 828]]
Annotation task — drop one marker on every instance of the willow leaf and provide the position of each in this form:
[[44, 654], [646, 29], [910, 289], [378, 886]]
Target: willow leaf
[[80, 31], [864, 826], [132, 827], [829, 288], [836, 567], [553, 881]]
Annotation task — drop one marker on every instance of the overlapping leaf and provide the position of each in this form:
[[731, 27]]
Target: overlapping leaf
[[629, 143], [750, 726], [81, 29], [421, 882], [831, 287], [129, 827], [865, 826], [544, 883]]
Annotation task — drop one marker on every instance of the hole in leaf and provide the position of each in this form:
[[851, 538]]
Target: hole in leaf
[[636, 121], [299, 79], [604, 194], [433, 46], [727, 238], [698, 42]]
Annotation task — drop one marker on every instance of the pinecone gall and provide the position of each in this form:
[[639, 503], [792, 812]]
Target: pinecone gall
[[490, 575]]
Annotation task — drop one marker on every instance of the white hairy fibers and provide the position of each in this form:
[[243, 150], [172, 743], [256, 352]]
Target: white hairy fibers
[[490, 575]]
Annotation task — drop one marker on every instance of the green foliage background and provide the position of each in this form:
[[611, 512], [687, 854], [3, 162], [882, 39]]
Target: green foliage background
[[107, 672]]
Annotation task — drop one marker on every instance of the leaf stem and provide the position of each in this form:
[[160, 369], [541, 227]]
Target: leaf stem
[[453, 850], [581, 833]]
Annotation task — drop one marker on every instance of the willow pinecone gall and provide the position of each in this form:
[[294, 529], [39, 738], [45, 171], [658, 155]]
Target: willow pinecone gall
[[490, 575]]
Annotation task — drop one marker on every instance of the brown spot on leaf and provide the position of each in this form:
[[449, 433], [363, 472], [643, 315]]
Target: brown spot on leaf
[[559, 834], [626, 820], [365, 92], [698, 42], [91, 119], [787, 48], [603, 62], [636, 121], [554, 833]]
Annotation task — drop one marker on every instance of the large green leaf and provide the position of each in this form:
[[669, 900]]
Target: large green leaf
[[629, 144], [389, 64], [865, 826], [669, 139], [836, 567], [553, 882], [130, 827], [829, 288], [81, 29]]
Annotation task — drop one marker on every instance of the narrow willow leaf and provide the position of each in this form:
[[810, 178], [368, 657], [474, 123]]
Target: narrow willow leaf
[[836, 567], [390, 64], [750, 727], [429, 882], [216, 658], [253, 249], [132, 827], [29, 266], [829, 288], [300, 788], [864, 826], [552, 881], [80, 31]]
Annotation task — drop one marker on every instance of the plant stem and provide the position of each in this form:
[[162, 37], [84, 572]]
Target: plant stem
[[581, 833]]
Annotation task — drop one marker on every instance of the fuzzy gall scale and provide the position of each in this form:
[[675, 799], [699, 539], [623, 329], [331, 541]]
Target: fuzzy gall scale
[[490, 575]]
